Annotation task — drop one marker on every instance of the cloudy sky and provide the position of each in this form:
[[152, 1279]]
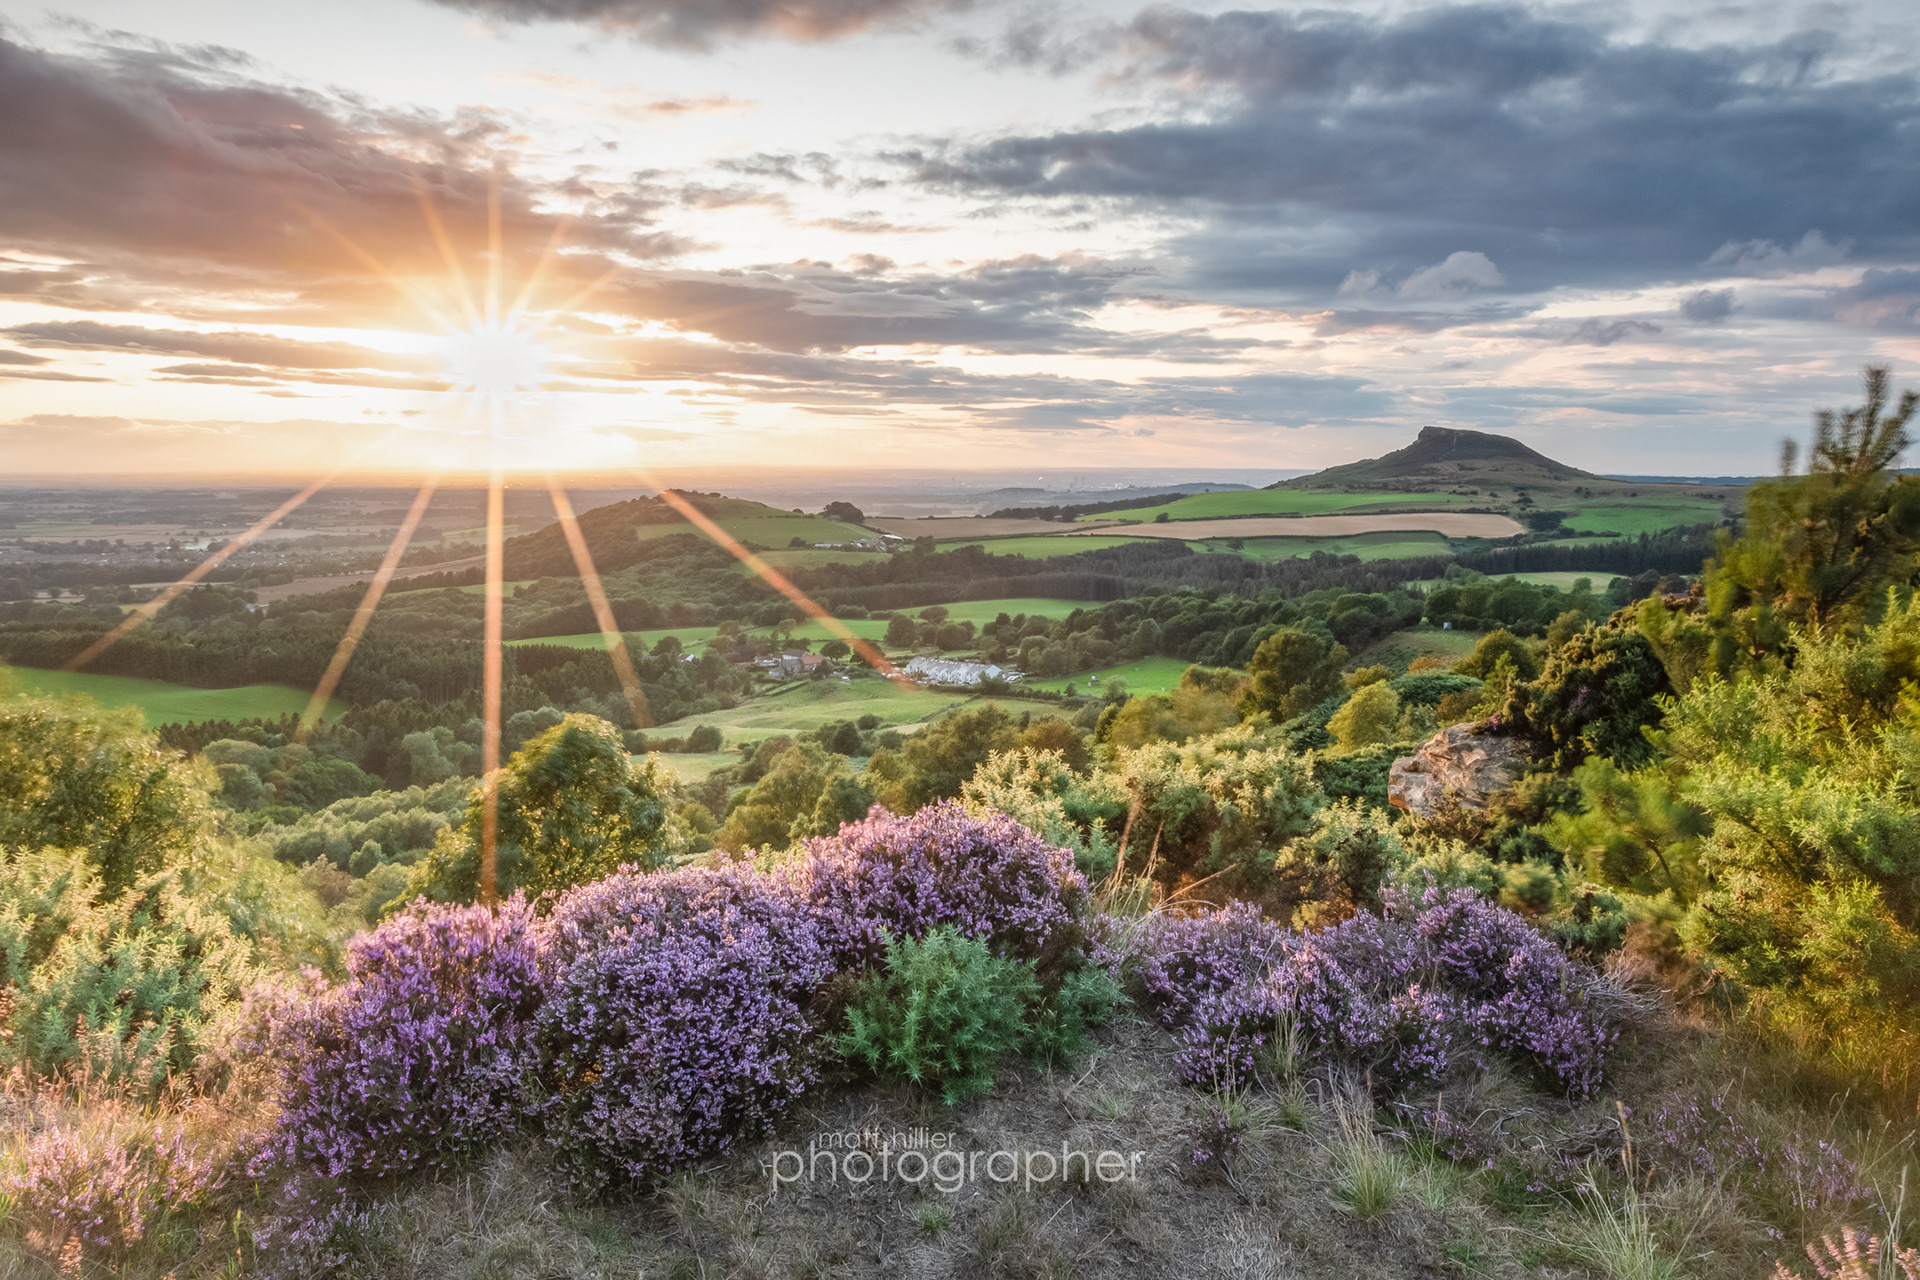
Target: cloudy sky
[[246, 236]]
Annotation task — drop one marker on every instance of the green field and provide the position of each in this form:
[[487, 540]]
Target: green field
[[978, 612], [771, 530], [1146, 675], [163, 703], [810, 558], [1282, 502], [1634, 516], [695, 766], [1368, 546], [808, 704], [1040, 546]]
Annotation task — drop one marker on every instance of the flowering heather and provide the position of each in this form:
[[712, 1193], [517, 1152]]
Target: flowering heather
[[990, 878], [1703, 1135], [1183, 960], [418, 1056], [671, 1041], [1403, 995], [102, 1188]]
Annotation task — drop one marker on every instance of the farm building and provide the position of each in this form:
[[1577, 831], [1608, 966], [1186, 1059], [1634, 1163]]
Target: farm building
[[965, 674]]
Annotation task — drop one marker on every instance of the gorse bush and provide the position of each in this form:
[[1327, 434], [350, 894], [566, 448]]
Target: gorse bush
[[941, 1012], [124, 988]]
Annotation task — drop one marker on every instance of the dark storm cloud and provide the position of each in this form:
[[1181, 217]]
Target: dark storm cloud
[[1562, 155], [1708, 306], [163, 163], [697, 24]]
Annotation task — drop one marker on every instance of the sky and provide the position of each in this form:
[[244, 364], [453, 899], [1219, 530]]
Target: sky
[[397, 236]]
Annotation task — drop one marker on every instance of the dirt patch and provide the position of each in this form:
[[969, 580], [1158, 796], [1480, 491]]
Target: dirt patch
[[1454, 524], [979, 527]]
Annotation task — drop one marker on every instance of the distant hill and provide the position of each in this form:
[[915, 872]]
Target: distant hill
[[1444, 458]]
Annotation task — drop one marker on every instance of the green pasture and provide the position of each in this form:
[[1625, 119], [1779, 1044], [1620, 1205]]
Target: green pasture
[[161, 702], [695, 766], [1398, 545], [808, 704], [809, 558], [1282, 502], [1039, 546], [767, 530], [978, 612], [1633, 516], [1145, 675]]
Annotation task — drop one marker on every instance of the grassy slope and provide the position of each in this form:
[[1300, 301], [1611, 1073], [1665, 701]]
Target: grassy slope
[[1635, 516], [1402, 647], [163, 703], [1145, 675]]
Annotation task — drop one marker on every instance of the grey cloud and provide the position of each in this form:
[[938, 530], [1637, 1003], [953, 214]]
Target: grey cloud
[[1562, 154], [157, 162], [698, 24], [1604, 333], [243, 348], [20, 357], [1708, 306]]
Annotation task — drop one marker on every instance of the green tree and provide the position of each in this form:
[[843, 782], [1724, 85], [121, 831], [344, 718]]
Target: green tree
[[1369, 718], [1495, 645], [936, 762], [1292, 670], [75, 777], [572, 808], [901, 632], [1816, 548]]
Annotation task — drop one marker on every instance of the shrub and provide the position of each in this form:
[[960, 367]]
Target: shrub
[[989, 877], [1086, 998], [942, 1013], [1593, 698], [676, 1023], [102, 1185], [1366, 719], [1406, 995], [417, 1057], [126, 986]]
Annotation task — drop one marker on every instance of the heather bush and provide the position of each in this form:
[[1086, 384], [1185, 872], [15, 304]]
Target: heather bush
[[676, 1021], [101, 1185], [417, 1058], [989, 878], [1407, 995], [941, 1012]]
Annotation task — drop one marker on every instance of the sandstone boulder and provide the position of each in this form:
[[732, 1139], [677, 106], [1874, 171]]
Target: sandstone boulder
[[1463, 761]]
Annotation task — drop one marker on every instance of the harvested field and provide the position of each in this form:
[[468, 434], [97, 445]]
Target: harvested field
[[977, 527], [1454, 524]]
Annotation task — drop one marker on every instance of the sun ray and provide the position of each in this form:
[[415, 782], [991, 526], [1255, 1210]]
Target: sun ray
[[323, 692], [540, 267], [778, 581], [438, 230], [494, 245], [212, 562], [491, 659], [602, 608], [379, 268]]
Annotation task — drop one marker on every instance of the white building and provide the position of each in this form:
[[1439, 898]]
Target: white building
[[963, 674]]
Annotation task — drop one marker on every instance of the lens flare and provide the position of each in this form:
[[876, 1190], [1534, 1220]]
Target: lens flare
[[495, 360]]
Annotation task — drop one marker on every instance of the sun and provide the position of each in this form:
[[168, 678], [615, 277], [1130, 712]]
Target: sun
[[495, 360]]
